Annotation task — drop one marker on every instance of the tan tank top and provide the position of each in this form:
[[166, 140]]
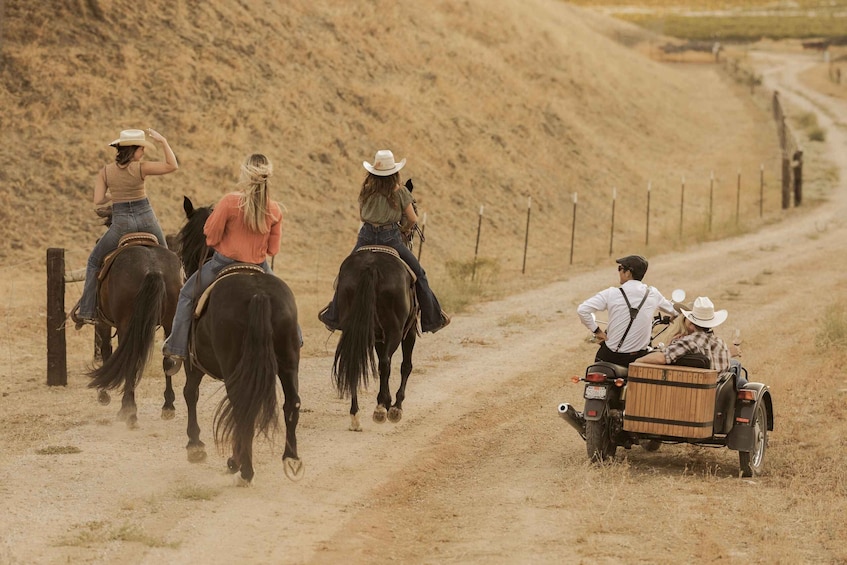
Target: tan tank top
[[125, 183]]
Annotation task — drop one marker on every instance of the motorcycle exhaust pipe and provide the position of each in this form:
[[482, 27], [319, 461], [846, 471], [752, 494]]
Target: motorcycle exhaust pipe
[[573, 418]]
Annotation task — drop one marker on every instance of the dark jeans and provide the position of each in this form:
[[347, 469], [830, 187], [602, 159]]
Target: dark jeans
[[430, 308], [127, 217], [623, 359]]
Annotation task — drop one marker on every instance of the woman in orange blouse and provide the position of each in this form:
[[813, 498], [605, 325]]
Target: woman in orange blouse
[[244, 227]]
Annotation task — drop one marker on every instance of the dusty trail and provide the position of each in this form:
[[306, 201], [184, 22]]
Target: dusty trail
[[480, 468]]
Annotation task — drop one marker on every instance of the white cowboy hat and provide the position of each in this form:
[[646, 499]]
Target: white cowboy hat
[[703, 314], [384, 164], [133, 137]]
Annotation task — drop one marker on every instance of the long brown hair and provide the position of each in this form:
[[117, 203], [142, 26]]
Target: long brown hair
[[125, 154], [255, 202], [375, 184]]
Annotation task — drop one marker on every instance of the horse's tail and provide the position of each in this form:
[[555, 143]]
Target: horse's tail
[[126, 365], [354, 355], [250, 404]]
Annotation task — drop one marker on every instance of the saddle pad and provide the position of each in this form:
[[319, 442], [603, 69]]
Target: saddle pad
[[235, 269], [390, 251]]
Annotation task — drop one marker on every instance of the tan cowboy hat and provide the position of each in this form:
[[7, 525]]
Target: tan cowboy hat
[[384, 164], [133, 137], [703, 314]]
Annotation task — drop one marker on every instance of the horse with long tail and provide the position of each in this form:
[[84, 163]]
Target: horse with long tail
[[247, 336], [377, 313], [138, 293]]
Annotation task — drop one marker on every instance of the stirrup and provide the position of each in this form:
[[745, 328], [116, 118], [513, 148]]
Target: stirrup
[[79, 322]]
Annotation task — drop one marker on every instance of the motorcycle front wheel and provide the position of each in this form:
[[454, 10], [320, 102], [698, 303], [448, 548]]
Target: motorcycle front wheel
[[600, 446], [752, 462]]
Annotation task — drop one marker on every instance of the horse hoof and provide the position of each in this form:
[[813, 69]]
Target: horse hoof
[[294, 468], [355, 426], [395, 415], [242, 482], [168, 413], [379, 415], [132, 422], [196, 454], [232, 466], [103, 398]]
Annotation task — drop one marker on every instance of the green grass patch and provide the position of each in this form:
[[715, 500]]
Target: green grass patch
[[58, 450], [197, 493], [833, 328], [739, 28], [468, 282]]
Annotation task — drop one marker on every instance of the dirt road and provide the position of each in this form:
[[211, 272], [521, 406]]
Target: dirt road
[[480, 469]]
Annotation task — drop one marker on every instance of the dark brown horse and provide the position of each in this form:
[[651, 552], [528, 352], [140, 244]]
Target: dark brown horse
[[377, 313], [138, 294], [247, 336]]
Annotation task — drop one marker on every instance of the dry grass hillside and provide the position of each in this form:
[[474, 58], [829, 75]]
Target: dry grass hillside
[[491, 101]]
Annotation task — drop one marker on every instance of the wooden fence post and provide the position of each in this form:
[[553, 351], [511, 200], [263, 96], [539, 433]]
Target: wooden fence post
[[761, 189], [612, 234], [526, 237], [681, 206], [57, 364], [573, 227], [476, 249], [647, 227], [798, 177]]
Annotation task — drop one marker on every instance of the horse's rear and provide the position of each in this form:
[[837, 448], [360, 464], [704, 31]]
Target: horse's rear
[[248, 335], [138, 294], [376, 314]]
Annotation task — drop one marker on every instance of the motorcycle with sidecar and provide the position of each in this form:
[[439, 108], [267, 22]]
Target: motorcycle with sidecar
[[687, 402]]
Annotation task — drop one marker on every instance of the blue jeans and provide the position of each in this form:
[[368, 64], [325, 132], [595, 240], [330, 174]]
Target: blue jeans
[[430, 308], [177, 343], [127, 217]]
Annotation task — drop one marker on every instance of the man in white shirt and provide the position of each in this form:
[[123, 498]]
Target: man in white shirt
[[631, 307]]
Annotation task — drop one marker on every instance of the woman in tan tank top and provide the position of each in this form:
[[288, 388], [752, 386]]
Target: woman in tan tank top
[[122, 184]]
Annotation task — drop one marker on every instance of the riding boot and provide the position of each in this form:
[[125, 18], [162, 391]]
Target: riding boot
[[329, 316]]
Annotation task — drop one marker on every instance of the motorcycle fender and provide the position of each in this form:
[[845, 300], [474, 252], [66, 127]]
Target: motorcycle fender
[[742, 435], [596, 406]]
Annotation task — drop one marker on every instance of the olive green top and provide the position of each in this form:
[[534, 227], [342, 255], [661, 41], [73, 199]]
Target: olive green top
[[378, 209]]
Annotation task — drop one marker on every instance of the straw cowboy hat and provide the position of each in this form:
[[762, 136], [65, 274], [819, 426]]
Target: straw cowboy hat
[[384, 164], [132, 137], [703, 314]]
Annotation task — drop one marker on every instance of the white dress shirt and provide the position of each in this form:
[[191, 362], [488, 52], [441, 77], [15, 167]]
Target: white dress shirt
[[612, 300]]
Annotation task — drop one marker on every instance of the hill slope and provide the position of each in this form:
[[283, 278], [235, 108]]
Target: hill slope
[[491, 101]]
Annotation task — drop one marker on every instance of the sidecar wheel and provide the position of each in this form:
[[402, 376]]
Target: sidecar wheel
[[599, 444], [753, 462]]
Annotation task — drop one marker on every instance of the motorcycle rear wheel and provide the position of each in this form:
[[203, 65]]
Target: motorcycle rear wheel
[[598, 443], [753, 462]]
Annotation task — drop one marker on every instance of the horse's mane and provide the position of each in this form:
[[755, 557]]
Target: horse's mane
[[192, 240]]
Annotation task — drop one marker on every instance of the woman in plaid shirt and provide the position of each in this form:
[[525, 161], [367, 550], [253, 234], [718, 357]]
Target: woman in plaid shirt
[[699, 322]]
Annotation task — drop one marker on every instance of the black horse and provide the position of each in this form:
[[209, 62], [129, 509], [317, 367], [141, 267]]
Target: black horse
[[138, 294], [377, 313], [246, 336]]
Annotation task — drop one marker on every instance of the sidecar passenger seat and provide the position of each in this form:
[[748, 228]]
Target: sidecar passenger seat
[[695, 360]]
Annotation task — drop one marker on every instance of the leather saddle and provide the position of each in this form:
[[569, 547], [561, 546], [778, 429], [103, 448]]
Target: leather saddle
[[127, 240]]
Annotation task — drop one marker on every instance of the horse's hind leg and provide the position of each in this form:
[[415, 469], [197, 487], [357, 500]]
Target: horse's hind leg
[[395, 414], [129, 411], [355, 424], [168, 408], [383, 398], [191, 392], [292, 465]]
